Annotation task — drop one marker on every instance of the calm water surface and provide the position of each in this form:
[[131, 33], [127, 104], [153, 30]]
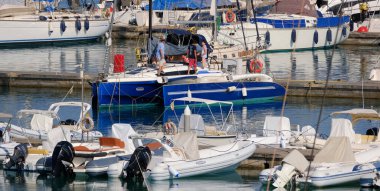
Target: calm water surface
[[348, 63]]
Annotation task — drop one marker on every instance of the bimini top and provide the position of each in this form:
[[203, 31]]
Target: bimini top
[[359, 114], [25, 112], [200, 100]]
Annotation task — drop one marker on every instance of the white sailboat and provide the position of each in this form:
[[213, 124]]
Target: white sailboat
[[289, 28], [20, 24]]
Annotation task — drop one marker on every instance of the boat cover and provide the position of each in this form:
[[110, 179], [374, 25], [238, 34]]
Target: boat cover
[[188, 142], [273, 125], [41, 122], [123, 131], [296, 159], [55, 136], [196, 124], [336, 149], [341, 127]]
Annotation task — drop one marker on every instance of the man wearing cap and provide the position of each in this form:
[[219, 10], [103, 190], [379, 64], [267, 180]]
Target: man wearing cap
[[160, 55]]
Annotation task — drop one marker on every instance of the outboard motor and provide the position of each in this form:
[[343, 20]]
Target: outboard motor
[[138, 163], [68, 122], [62, 159], [18, 158]]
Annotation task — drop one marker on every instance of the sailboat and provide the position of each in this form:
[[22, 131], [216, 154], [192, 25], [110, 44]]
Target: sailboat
[[289, 26], [49, 25]]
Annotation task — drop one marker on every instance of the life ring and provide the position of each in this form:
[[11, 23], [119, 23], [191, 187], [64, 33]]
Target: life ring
[[255, 66], [87, 124], [230, 16], [170, 128]]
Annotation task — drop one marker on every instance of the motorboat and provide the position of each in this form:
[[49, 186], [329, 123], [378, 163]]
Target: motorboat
[[180, 157], [217, 133], [238, 87], [184, 160], [49, 26], [284, 27], [328, 167], [278, 132], [351, 123], [92, 158], [6, 144], [35, 124]]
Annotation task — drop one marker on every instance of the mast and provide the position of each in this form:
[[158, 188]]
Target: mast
[[214, 13], [150, 31]]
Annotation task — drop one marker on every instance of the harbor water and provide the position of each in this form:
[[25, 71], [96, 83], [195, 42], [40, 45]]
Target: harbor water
[[348, 64]]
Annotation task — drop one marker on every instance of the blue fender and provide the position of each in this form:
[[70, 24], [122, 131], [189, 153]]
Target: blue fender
[[294, 35], [78, 25], [329, 35], [315, 38], [86, 24], [267, 37], [63, 26]]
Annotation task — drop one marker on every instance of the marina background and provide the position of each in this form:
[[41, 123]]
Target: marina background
[[350, 63]]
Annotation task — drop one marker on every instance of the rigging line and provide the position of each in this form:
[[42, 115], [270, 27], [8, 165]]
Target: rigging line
[[324, 91], [258, 39], [241, 23]]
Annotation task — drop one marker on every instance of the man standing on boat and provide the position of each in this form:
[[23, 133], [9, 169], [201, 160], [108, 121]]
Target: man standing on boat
[[192, 55], [160, 55]]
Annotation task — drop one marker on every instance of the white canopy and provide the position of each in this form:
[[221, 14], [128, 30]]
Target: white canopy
[[375, 74], [123, 132], [41, 122], [200, 100], [359, 114], [25, 112]]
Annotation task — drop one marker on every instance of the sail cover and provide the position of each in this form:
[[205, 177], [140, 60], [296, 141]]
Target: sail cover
[[299, 7]]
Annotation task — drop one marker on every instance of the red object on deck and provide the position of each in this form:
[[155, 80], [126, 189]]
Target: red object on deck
[[118, 63], [363, 29]]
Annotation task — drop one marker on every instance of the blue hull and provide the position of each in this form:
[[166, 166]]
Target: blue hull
[[124, 93], [218, 91]]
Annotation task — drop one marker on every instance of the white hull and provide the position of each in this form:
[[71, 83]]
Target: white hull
[[31, 29], [222, 161], [213, 141], [280, 38]]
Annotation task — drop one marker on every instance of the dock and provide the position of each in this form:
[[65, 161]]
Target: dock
[[301, 88], [363, 38], [264, 156]]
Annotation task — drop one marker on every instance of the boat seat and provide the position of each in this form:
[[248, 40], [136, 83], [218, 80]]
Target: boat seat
[[180, 153], [153, 146], [38, 151], [111, 142], [211, 130]]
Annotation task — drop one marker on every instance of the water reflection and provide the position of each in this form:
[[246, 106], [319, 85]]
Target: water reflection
[[347, 63]]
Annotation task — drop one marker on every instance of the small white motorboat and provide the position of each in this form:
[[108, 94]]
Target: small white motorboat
[[35, 124], [219, 132], [184, 159], [328, 168]]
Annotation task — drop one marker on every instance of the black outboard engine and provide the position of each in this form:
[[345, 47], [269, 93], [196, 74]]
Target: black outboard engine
[[138, 163], [18, 158], [68, 122], [62, 159]]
